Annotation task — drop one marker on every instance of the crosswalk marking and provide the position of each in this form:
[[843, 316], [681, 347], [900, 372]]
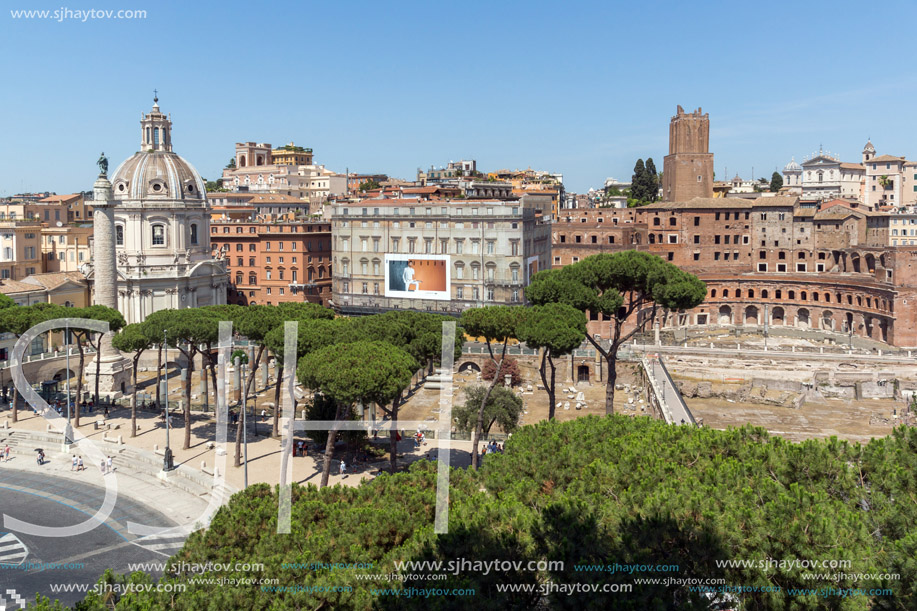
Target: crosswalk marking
[[12, 550], [162, 543]]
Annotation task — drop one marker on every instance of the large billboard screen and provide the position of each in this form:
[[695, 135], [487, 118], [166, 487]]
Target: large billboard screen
[[417, 276]]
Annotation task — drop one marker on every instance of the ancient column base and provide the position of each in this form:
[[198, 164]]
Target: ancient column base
[[115, 378]]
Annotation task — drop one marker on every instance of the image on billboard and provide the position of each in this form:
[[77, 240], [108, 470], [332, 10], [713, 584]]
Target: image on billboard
[[417, 276]]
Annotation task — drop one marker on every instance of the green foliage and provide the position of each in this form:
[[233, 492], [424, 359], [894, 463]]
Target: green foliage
[[590, 491], [359, 371], [493, 323], [369, 185], [504, 407], [776, 182], [133, 338], [557, 327], [6, 302], [242, 355], [618, 285], [644, 184]]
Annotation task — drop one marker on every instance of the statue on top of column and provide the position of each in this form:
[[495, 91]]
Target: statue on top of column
[[103, 165]]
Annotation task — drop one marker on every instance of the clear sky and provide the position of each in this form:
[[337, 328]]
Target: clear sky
[[581, 88]]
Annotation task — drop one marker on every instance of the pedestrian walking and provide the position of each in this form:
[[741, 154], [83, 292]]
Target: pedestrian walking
[[79, 464], [6, 454], [73, 464], [343, 468], [102, 466], [109, 464], [263, 415]]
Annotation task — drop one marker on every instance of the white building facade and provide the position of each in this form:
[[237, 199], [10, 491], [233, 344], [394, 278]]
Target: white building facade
[[162, 229]]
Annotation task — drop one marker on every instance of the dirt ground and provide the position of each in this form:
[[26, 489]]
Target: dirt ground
[[855, 421]]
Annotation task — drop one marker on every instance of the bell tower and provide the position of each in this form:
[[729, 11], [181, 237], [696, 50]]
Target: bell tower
[[156, 130], [688, 168]]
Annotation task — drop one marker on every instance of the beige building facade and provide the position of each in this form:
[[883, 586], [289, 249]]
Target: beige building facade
[[441, 256]]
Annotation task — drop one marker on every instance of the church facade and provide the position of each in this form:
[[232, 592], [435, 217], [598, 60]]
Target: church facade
[[162, 229]]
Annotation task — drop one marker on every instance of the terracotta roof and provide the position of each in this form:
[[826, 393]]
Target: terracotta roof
[[837, 212], [52, 280], [723, 202], [60, 199], [800, 211], [886, 158], [8, 287], [853, 166]]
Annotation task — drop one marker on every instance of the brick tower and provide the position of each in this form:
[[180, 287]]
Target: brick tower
[[688, 168]]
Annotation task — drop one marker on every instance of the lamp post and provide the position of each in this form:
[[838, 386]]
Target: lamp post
[[244, 425], [68, 431], [167, 462]]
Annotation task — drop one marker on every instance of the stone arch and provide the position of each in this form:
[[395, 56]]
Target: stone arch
[[764, 294], [883, 330], [242, 161], [469, 366], [751, 315], [725, 315], [827, 320], [778, 316], [870, 263], [713, 293], [855, 263], [882, 260], [803, 320]]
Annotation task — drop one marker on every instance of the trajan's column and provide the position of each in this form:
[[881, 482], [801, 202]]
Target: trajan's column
[[115, 371]]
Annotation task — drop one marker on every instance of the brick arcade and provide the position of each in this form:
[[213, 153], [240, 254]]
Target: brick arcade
[[824, 266]]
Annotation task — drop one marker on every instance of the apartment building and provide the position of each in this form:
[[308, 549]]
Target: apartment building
[[442, 256], [273, 262]]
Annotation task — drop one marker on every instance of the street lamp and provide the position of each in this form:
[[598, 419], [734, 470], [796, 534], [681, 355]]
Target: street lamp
[[167, 462], [68, 431], [244, 422]]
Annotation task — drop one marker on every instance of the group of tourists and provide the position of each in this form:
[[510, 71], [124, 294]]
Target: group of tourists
[[492, 448]]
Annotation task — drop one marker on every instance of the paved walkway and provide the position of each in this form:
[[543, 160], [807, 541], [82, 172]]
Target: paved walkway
[[263, 452]]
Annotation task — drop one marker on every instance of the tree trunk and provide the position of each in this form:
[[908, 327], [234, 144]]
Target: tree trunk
[[79, 383], [186, 408], [329, 448], [479, 425], [610, 361], [393, 437], [238, 458], [98, 364], [275, 431], [158, 377], [134, 398], [550, 383], [254, 370]]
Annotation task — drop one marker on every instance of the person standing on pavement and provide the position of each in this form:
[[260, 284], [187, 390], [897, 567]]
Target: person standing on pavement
[[79, 464], [109, 464], [73, 464], [6, 454], [343, 468]]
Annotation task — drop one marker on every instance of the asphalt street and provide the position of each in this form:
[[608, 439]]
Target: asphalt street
[[54, 501]]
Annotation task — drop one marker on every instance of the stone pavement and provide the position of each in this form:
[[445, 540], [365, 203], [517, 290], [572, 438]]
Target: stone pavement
[[263, 452]]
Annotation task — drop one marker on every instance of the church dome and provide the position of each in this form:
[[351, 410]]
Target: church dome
[[869, 148], [792, 166], [156, 173]]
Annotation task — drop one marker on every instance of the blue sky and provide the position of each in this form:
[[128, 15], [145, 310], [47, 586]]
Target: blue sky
[[578, 88]]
